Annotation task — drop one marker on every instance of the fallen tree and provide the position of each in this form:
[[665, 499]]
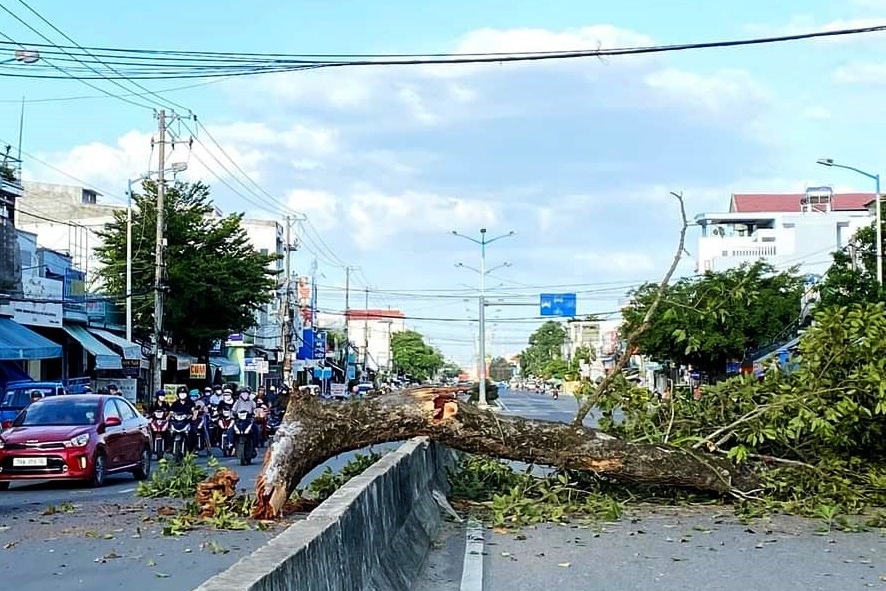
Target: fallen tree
[[314, 430]]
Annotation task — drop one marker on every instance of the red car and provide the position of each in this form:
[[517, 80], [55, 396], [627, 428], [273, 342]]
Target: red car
[[78, 437]]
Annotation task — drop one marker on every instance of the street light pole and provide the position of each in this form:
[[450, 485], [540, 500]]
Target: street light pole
[[129, 262], [879, 209], [483, 242]]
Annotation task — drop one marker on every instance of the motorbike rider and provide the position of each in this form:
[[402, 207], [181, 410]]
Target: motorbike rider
[[215, 396], [227, 400], [185, 405], [160, 402], [244, 402]]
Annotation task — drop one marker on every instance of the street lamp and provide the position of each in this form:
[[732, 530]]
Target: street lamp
[[174, 168], [876, 178], [483, 242]]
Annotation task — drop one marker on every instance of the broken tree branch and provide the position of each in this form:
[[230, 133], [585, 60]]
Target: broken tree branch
[[314, 430], [631, 341]]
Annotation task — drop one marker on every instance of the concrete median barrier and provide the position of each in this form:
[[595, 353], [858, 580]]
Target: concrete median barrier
[[374, 533]]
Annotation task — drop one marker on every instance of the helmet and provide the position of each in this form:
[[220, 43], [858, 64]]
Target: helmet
[[181, 389], [87, 390], [160, 394], [194, 394], [112, 387], [207, 389]]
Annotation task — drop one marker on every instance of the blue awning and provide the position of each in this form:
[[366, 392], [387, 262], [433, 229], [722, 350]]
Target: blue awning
[[227, 367], [105, 358], [130, 349], [19, 342]]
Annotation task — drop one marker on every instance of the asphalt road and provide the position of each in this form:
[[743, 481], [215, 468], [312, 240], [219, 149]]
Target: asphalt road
[[61, 535], [658, 548]]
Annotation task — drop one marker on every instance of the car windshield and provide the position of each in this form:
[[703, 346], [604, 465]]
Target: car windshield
[[21, 397], [58, 411]]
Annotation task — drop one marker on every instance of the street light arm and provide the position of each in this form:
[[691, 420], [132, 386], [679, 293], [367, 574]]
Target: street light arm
[[464, 266], [832, 164], [508, 235], [474, 240]]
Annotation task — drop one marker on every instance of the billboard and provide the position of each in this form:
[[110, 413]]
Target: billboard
[[42, 303]]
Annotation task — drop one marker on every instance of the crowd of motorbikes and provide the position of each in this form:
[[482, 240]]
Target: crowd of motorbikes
[[198, 423]]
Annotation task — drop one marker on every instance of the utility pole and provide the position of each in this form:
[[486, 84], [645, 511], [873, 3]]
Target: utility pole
[[347, 314], [158, 253], [286, 320], [366, 331]]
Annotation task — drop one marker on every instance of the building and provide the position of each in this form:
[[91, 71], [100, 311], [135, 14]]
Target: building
[[783, 229], [66, 219], [10, 254], [370, 332], [580, 333], [267, 237], [601, 337]]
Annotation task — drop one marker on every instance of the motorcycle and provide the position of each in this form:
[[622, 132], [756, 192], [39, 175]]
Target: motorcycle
[[200, 432], [243, 437], [159, 429], [261, 423], [225, 420], [275, 419], [181, 431]]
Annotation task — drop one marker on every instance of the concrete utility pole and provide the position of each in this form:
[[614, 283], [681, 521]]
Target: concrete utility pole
[[286, 320], [347, 314], [158, 253], [366, 331], [483, 242]]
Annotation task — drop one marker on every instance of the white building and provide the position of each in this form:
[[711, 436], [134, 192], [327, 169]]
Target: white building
[[267, 237], [783, 229], [370, 331], [601, 336], [65, 219]]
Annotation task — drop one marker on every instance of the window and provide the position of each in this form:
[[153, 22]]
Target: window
[[125, 409], [264, 251], [89, 196], [111, 410]]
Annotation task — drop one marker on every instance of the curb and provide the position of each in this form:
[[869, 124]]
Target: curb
[[373, 533]]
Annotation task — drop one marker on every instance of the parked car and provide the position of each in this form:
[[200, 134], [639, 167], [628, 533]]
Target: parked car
[[76, 437], [18, 395]]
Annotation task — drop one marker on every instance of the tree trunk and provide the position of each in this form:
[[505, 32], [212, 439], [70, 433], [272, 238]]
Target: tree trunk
[[314, 431]]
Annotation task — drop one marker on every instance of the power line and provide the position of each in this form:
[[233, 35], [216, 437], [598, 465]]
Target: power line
[[191, 64]]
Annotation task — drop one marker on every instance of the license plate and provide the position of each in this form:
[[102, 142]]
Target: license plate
[[22, 462]]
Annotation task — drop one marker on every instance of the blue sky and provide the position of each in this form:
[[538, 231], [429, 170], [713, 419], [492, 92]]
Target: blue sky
[[577, 157]]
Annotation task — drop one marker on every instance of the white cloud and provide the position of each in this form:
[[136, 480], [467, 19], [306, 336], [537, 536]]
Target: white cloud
[[807, 24], [719, 94], [868, 73], [376, 216], [621, 262], [816, 112], [321, 207]]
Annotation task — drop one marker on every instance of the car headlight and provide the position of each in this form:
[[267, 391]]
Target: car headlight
[[2, 444], [78, 441]]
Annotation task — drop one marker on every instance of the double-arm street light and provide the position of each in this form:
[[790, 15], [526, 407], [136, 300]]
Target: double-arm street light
[[876, 178], [174, 168], [482, 242]]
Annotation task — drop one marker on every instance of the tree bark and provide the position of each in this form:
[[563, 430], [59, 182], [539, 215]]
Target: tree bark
[[314, 431]]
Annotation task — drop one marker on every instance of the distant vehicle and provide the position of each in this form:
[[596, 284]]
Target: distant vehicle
[[18, 395], [77, 437]]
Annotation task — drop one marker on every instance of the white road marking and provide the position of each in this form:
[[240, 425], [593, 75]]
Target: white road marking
[[472, 569]]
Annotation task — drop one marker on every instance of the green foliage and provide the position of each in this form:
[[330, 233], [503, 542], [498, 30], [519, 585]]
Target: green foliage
[[215, 280], [491, 392], [175, 479], [825, 423], [515, 499], [545, 345], [322, 487], [412, 356], [583, 354], [500, 369], [709, 320], [848, 283], [449, 371]]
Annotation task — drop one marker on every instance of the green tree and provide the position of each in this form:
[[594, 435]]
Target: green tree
[[708, 320], [583, 354], [500, 370], [450, 371], [214, 280], [413, 357], [545, 345], [852, 277]]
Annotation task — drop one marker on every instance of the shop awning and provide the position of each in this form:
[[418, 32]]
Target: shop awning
[[227, 367], [130, 349], [18, 342], [105, 358]]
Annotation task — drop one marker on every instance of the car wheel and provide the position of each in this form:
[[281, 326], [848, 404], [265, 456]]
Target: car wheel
[[143, 470], [99, 470], [4, 485]]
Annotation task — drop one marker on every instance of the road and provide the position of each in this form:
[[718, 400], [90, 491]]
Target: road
[[654, 548], [67, 536]]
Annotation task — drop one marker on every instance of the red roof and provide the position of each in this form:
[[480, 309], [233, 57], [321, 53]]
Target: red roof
[[373, 314], [790, 202]]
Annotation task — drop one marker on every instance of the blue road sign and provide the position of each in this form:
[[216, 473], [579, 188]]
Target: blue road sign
[[320, 345], [558, 304]]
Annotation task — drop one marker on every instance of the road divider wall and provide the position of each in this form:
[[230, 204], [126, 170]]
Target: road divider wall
[[374, 533]]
